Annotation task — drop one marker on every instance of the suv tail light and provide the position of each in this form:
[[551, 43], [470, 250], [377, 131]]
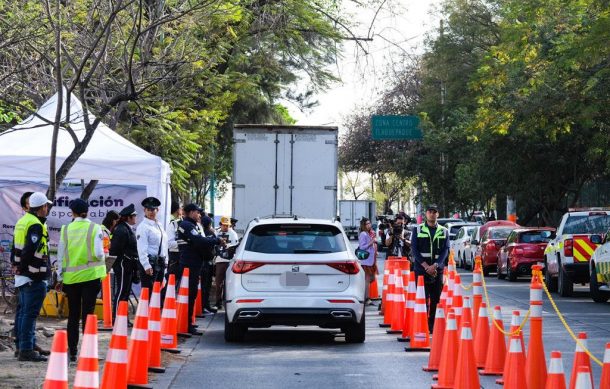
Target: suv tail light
[[568, 246], [241, 267], [350, 267]]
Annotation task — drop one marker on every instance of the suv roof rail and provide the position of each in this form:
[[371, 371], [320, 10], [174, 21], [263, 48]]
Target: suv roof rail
[[584, 209]]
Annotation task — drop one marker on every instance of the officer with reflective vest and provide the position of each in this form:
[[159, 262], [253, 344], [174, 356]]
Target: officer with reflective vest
[[430, 248], [81, 268], [32, 269]]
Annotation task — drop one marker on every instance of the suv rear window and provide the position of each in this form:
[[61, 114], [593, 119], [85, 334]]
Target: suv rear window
[[499, 233], [295, 239], [587, 224], [533, 237]]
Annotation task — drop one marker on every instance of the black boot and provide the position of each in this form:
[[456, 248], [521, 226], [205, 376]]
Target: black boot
[[31, 356]]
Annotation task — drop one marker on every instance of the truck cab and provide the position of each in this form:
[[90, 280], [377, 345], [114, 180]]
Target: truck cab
[[567, 256]]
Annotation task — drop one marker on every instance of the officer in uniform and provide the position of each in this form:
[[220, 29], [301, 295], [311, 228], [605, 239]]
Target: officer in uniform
[[81, 268], [172, 232], [224, 257], [124, 247], [192, 246], [430, 248], [32, 269], [152, 244]]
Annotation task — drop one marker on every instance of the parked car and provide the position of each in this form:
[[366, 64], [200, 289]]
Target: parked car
[[454, 227], [492, 241], [599, 268], [295, 272], [524, 247], [444, 220], [471, 247], [458, 245]]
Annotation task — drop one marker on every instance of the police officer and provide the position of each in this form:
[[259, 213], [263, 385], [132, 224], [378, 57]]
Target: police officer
[[430, 248], [224, 256], [172, 244], [124, 247], [81, 268], [32, 269], [152, 244], [207, 270], [192, 246]]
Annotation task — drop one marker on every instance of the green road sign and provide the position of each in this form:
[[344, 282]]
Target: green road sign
[[395, 127]]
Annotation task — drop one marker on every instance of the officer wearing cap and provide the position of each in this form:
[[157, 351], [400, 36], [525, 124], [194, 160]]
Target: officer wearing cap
[[192, 245], [430, 248], [81, 268], [32, 269], [124, 247], [152, 244], [224, 256]]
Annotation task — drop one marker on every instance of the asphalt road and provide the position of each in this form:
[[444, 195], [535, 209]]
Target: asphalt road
[[309, 357]]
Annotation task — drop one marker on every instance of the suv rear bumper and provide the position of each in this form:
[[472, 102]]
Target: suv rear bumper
[[323, 317], [578, 272]]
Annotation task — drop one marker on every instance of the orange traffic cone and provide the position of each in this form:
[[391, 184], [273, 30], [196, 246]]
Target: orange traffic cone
[[398, 307], [115, 368], [584, 378], [514, 373], [385, 287], [87, 370], [374, 290], [466, 374], [581, 358], [388, 294], [535, 362], [514, 329], [437, 340], [477, 295], [154, 331], [457, 301], [420, 335], [409, 309], [106, 304], [183, 305], [605, 381], [556, 378], [443, 299], [137, 355], [467, 313], [496, 351], [198, 311], [169, 325], [446, 369], [57, 369], [482, 337], [450, 284]]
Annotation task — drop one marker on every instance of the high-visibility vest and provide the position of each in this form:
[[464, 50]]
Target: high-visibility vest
[[426, 243], [37, 267], [79, 263]]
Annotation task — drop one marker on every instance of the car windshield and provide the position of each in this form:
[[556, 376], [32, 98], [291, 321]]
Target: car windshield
[[295, 239], [454, 229], [587, 224], [533, 237], [499, 233]]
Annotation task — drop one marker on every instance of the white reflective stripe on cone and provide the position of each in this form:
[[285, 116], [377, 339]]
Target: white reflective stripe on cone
[[155, 301], [515, 346], [167, 339], [466, 333], [556, 366], [515, 322], [440, 313], [168, 313], [58, 367], [482, 312], [89, 347], [116, 356], [170, 293], [87, 379], [183, 299], [583, 380], [607, 355], [584, 343], [451, 325], [120, 326], [536, 311], [154, 326], [497, 314], [535, 294], [139, 334], [420, 307]]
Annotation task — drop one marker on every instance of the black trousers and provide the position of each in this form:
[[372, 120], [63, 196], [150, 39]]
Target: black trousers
[[207, 272], [82, 297], [124, 270], [172, 268], [433, 295], [193, 282], [148, 281]]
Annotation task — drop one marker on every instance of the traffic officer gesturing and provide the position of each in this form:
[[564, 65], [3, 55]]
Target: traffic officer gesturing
[[429, 248], [152, 244], [81, 267], [31, 264], [192, 246]]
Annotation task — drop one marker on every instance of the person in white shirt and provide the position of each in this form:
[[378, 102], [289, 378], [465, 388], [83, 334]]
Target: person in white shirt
[[152, 244], [172, 244], [224, 256]]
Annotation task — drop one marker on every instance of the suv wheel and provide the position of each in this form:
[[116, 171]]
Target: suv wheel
[[512, 277], [234, 332], [551, 283], [499, 272], [597, 295], [355, 333], [564, 284]]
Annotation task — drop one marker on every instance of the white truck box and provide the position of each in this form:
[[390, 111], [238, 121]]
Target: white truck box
[[352, 211]]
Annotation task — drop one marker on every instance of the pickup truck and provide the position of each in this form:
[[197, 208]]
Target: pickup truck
[[567, 256]]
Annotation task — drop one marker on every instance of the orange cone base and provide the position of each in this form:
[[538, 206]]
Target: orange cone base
[[428, 369], [417, 349], [153, 369], [136, 386], [172, 350], [393, 332], [441, 387], [383, 325], [483, 372], [401, 339]]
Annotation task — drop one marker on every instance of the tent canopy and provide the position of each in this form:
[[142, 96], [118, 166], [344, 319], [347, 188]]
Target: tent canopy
[[26, 148]]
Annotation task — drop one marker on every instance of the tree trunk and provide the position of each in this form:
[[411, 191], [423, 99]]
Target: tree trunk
[[60, 89], [87, 190]]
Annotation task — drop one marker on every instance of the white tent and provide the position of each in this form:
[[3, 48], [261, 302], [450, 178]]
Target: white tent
[[26, 148]]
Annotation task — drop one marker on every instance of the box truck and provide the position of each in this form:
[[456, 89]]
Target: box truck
[[352, 211], [284, 170]]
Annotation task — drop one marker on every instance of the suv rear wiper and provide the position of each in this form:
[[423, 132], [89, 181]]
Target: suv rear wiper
[[310, 251]]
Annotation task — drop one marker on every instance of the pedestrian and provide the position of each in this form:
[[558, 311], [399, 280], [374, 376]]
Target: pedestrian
[[223, 258], [172, 244], [108, 224], [396, 238], [32, 269], [152, 245], [192, 244], [124, 246], [430, 248], [81, 268], [367, 241], [207, 269]]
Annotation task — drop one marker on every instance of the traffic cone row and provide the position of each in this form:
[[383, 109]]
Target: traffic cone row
[[182, 304], [420, 333], [115, 368], [154, 331]]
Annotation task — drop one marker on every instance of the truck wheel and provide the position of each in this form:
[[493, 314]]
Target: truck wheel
[[356, 333], [565, 285], [234, 332], [551, 283], [597, 295], [512, 277]]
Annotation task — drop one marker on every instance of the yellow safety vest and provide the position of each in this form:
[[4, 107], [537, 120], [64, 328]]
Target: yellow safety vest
[[79, 263], [37, 267]]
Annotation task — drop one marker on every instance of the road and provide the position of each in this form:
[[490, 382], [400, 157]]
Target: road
[[310, 357]]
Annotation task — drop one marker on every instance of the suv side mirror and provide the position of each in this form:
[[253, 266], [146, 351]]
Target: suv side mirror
[[596, 239]]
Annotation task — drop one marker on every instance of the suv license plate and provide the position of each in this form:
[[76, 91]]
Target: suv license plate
[[294, 279]]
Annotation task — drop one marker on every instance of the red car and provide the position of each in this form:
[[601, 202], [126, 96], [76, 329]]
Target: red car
[[524, 248], [492, 241]]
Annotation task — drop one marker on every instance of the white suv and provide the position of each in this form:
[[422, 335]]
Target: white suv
[[295, 272]]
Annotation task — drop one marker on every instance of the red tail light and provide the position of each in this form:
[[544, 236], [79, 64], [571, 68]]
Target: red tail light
[[350, 267], [241, 267], [568, 246]]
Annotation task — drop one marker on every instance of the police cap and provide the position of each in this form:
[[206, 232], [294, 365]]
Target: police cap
[[151, 203], [192, 207], [432, 207], [128, 210], [79, 206]]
